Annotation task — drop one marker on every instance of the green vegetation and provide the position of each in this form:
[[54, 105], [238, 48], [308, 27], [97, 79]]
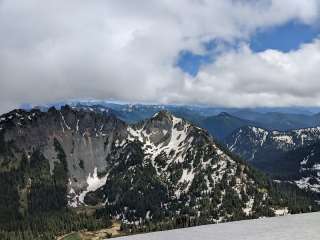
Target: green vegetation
[[47, 226], [33, 202], [72, 236]]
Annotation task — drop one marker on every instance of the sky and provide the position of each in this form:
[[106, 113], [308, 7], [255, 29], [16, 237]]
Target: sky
[[230, 53]]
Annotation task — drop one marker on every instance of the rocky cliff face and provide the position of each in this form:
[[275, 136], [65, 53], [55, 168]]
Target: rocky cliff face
[[157, 168], [85, 138]]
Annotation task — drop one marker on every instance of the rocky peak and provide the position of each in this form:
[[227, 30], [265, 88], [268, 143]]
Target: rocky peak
[[162, 115], [224, 115]]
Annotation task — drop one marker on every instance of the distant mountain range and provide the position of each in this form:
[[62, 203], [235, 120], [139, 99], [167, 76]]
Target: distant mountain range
[[279, 120], [288, 155], [223, 124], [220, 122]]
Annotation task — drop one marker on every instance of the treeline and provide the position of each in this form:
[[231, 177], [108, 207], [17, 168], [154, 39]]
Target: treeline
[[296, 200], [182, 221], [50, 225]]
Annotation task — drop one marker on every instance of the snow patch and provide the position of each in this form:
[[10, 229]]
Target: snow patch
[[64, 121], [248, 209], [77, 126], [281, 212], [304, 183], [284, 139], [94, 183]]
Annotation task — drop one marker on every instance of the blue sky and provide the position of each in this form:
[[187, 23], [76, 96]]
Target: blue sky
[[285, 38], [190, 62]]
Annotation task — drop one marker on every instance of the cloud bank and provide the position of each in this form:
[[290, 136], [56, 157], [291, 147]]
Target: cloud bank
[[127, 50]]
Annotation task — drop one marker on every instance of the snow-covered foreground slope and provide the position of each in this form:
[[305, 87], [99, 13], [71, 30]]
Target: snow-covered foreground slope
[[292, 227]]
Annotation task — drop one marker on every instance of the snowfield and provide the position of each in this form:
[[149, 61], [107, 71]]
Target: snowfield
[[290, 227]]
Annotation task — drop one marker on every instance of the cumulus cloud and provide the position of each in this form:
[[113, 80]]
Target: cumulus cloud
[[127, 50], [270, 78]]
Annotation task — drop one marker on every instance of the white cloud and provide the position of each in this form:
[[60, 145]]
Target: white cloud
[[54, 50], [270, 78]]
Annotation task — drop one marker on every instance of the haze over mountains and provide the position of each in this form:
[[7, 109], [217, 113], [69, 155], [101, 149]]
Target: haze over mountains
[[220, 122]]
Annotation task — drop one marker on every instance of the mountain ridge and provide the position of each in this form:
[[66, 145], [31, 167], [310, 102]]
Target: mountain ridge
[[282, 154]]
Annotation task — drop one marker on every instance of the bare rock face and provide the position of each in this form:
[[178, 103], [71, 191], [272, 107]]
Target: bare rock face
[[85, 137]]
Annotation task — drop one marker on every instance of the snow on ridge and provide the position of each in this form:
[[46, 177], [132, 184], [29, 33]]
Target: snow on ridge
[[292, 138], [307, 130], [77, 126], [257, 130], [259, 137], [177, 138], [304, 183], [282, 139], [260, 133], [187, 175], [233, 145], [18, 117], [64, 121], [286, 139], [134, 134], [305, 160], [298, 136], [264, 138], [176, 145]]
